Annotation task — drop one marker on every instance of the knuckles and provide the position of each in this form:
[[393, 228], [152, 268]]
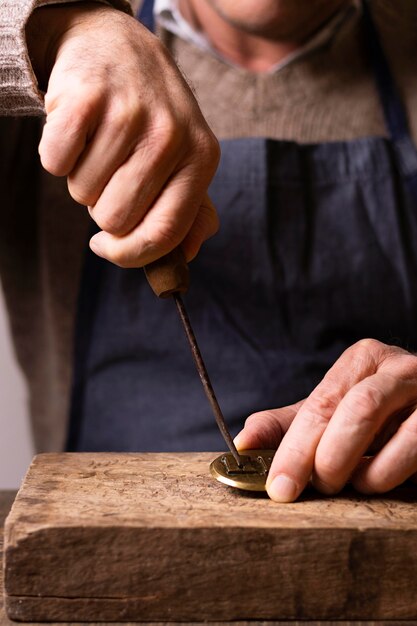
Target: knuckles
[[167, 131], [208, 152], [319, 408], [378, 351], [68, 125], [166, 137], [369, 345], [365, 400], [124, 117], [76, 108]]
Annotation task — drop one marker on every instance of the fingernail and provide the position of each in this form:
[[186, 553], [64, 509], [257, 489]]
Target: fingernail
[[283, 489], [95, 247], [237, 439]]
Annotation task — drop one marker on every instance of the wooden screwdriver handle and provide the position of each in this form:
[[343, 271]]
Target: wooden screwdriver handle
[[169, 274]]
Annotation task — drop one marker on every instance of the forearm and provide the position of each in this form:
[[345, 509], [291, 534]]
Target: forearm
[[20, 93]]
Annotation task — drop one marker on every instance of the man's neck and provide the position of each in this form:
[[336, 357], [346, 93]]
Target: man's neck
[[253, 52]]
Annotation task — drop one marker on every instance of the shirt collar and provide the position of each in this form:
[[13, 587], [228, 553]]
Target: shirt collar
[[168, 15]]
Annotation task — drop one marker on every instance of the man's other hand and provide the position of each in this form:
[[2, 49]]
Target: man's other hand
[[365, 405], [125, 129]]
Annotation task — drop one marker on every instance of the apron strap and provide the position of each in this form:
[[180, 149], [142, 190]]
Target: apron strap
[[394, 112], [145, 15]]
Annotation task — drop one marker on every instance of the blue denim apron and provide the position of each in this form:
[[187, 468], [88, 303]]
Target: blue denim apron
[[317, 249]]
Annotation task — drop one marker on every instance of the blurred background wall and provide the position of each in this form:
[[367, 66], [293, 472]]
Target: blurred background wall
[[15, 441]]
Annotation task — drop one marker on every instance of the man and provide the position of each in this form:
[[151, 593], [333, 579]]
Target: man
[[315, 251]]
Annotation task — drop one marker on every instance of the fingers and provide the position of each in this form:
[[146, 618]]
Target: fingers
[[113, 144], [132, 191], [130, 138], [357, 419], [294, 461], [175, 217], [341, 417], [365, 398], [66, 131], [394, 464], [206, 224], [121, 188], [125, 190]]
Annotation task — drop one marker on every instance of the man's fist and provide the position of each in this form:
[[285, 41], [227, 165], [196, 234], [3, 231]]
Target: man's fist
[[125, 129]]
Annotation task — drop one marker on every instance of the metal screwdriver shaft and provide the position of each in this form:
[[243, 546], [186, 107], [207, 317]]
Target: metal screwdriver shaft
[[208, 388], [169, 276]]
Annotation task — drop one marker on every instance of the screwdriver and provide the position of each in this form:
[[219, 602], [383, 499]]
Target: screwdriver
[[169, 277]]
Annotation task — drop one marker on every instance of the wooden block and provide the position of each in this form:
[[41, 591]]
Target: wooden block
[[152, 537]]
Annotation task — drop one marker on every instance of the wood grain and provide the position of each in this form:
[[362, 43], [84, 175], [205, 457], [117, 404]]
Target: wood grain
[[152, 537]]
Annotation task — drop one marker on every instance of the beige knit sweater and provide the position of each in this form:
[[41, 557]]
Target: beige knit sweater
[[328, 95], [19, 94]]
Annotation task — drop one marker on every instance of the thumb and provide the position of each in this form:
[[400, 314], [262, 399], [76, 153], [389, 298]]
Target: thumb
[[264, 430]]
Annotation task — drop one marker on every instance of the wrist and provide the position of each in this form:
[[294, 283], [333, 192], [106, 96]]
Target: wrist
[[47, 29]]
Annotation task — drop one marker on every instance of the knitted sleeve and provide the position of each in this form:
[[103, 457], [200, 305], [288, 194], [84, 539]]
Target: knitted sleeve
[[19, 93]]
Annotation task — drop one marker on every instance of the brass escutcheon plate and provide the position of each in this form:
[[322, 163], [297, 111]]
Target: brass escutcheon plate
[[251, 477]]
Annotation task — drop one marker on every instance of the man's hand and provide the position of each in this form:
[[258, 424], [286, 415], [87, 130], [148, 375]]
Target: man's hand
[[125, 129], [366, 403]]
